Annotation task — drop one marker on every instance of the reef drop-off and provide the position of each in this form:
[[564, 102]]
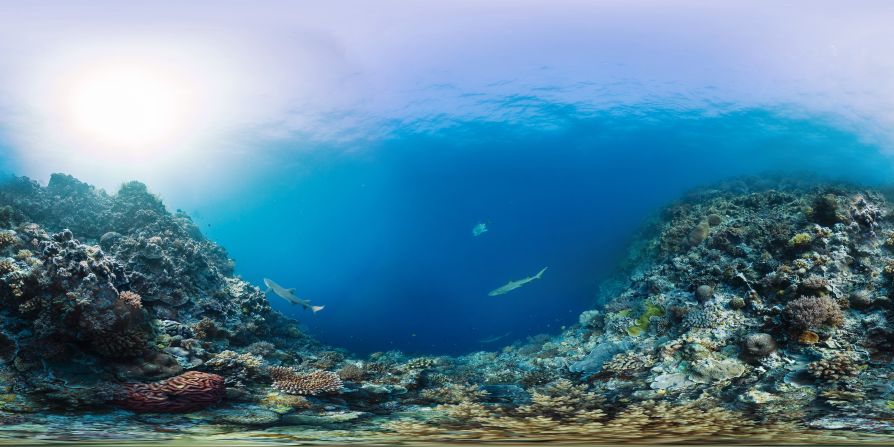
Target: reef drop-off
[[753, 311]]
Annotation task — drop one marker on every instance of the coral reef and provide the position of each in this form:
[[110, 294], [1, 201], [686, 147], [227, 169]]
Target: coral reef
[[187, 392], [757, 310], [316, 382], [813, 312]]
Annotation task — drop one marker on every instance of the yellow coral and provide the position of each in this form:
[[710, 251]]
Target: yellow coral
[[284, 403], [800, 240]]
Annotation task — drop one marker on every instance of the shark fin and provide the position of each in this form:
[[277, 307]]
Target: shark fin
[[267, 291], [316, 308], [292, 291], [540, 273]]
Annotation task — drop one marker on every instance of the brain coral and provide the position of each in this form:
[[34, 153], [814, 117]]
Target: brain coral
[[187, 392], [290, 381]]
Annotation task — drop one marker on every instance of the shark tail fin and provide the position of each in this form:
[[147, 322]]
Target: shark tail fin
[[540, 273], [316, 308]]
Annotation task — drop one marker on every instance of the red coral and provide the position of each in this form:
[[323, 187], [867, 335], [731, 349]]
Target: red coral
[[190, 391]]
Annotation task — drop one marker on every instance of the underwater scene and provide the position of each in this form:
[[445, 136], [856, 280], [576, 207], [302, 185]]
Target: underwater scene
[[425, 223]]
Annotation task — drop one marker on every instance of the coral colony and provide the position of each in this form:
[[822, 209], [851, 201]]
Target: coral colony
[[753, 311]]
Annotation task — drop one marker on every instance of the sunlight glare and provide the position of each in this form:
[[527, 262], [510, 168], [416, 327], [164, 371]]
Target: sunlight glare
[[127, 108]]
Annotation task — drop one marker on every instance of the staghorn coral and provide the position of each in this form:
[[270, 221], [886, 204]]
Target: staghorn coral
[[811, 312], [315, 382], [187, 392]]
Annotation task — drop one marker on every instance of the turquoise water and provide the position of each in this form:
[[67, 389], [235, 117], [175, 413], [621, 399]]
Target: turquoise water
[[381, 231]]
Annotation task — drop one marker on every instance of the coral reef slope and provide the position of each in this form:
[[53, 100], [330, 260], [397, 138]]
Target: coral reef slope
[[752, 311]]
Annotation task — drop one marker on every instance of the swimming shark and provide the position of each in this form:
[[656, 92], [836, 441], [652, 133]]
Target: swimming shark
[[289, 295], [512, 285], [493, 338]]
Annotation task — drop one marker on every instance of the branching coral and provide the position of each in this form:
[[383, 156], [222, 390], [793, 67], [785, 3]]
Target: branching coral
[[206, 329], [316, 382], [234, 365], [452, 393], [284, 403], [420, 363], [647, 423], [841, 367], [810, 312], [351, 372], [7, 238]]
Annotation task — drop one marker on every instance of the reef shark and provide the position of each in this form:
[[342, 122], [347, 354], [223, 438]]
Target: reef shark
[[493, 338], [289, 295], [512, 285]]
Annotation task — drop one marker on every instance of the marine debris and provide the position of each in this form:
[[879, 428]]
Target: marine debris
[[755, 311], [512, 285]]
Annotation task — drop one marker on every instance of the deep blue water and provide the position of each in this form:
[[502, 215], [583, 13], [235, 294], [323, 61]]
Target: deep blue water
[[381, 231]]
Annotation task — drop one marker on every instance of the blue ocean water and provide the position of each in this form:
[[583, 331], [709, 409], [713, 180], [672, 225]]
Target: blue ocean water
[[380, 230]]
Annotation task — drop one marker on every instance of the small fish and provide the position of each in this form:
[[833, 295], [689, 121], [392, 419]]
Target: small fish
[[479, 229], [493, 338], [512, 285], [289, 295]]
